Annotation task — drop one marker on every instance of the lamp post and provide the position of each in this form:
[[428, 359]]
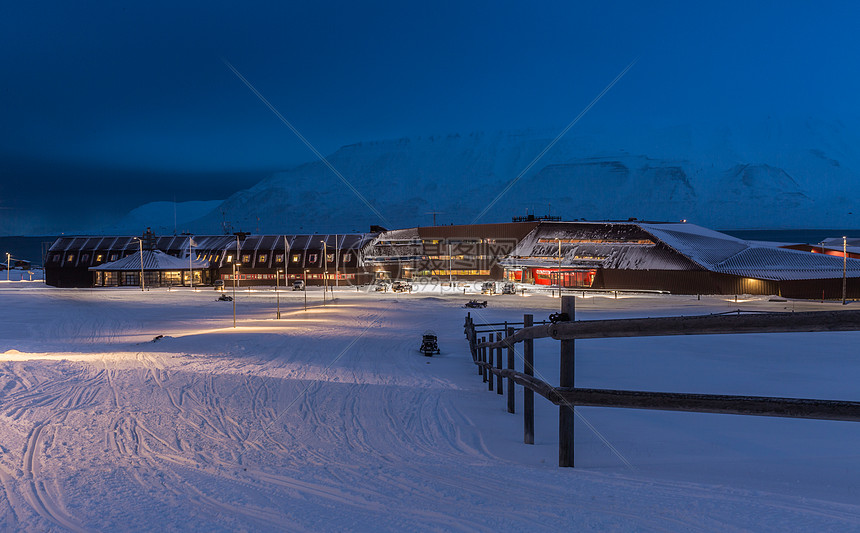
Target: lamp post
[[235, 279], [450, 268], [305, 289], [8, 264], [138, 239], [277, 294], [336, 263], [286, 262], [325, 270], [190, 266], [559, 268], [844, 269]]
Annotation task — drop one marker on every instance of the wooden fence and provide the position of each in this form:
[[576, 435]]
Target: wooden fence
[[487, 355]]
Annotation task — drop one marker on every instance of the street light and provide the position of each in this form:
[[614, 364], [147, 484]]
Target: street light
[[277, 294], [559, 268], [286, 262], [235, 279], [844, 269], [305, 289], [138, 239], [8, 264], [325, 270]]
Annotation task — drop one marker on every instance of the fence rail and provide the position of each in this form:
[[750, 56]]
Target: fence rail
[[487, 356]]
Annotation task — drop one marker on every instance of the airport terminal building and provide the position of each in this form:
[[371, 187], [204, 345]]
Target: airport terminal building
[[677, 258]]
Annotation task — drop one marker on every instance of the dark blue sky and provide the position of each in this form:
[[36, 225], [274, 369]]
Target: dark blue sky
[[107, 105]]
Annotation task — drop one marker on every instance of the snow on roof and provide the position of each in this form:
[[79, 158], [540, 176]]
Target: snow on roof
[[729, 255], [152, 260], [670, 246], [615, 245], [704, 246]]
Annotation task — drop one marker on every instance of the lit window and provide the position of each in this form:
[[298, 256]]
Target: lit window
[[347, 257], [296, 258], [246, 258], [279, 258], [262, 258], [99, 257], [71, 257], [329, 258], [229, 258]]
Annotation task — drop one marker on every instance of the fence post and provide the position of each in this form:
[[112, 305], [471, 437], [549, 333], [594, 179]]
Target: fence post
[[528, 394], [512, 401], [472, 347], [499, 379], [490, 352], [565, 377], [483, 360]]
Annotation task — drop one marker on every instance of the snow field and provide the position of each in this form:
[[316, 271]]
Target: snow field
[[331, 420]]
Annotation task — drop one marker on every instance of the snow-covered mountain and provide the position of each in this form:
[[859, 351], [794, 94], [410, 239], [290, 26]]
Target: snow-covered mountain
[[767, 174], [163, 217]]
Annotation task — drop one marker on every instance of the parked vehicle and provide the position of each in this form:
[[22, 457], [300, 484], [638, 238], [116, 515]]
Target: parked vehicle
[[488, 287], [400, 286], [429, 345], [509, 288], [475, 304], [219, 285], [382, 285], [298, 285]]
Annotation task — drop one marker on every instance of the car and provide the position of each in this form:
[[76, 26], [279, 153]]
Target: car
[[382, 285], [219, 285], [509, 288], [401, 286], [488, 287], [298, 285]]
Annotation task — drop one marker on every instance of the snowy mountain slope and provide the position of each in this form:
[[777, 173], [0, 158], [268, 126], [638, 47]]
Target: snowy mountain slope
[[163, 217], [770, 174]]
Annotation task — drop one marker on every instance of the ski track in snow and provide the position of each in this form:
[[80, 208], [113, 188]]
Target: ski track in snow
[[278, 426]]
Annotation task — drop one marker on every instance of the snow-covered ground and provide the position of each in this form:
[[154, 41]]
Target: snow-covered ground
[[329, 419]]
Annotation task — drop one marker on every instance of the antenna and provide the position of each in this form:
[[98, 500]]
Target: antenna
[[434, 213]]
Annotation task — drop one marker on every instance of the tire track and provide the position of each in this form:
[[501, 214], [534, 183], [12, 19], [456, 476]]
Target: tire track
[[35, 492]]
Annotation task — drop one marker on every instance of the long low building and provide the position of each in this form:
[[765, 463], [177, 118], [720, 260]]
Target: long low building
[[251, 259], [677, 258]]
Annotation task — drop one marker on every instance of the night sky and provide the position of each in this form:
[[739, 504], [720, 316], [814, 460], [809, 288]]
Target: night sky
[[106, 106]]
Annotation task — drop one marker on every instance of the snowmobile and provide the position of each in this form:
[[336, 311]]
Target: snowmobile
[[475, 304], [428, 344]]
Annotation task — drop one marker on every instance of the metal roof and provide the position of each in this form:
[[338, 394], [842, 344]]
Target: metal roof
[[669, 246], [152, 260], [729, 255]]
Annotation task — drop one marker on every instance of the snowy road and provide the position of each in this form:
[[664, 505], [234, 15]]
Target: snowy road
[[329, 420]]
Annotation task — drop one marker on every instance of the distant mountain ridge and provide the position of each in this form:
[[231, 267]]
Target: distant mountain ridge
[[768, 174]]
